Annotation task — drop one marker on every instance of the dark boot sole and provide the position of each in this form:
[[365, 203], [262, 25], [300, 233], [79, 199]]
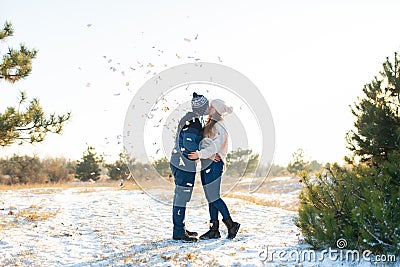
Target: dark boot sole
[[214, 236], [186, 239], [207, 237]]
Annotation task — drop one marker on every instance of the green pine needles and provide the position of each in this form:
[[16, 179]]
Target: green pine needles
[[26, 122], [361, 202], [16, 64], [88, 168]]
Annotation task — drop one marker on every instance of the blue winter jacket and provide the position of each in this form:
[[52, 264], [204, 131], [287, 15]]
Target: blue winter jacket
[[188, 137]]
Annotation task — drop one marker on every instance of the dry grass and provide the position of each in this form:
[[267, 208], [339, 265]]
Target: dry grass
[[130, 259], [264, 202], [44, 190], [280, 192], [5, 225], [35, 215], [39, 186], [130, 186], [258, 201], [48, 187], [87, 190]]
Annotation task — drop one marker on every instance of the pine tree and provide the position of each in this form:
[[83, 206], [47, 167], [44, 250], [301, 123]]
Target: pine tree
[[378, 123], [162, 166], [378, 211], [241, 162], [88, 168], [326, 204], [119, 169], [298, 162], [27, 122], [361, 203], [252, 163]]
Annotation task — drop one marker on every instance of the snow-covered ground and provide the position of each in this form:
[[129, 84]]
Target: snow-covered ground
[[104, 226]]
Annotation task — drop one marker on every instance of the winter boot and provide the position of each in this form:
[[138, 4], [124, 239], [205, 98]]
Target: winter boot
[[185, 237], [189, 233], [213, 233], [233, 227]]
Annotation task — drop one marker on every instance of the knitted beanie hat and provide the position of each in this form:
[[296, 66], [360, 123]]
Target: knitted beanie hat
[[199, 104], [221, 107]]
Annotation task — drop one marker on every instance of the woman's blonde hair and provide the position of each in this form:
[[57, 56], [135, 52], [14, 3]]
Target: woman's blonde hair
[[209, 128]]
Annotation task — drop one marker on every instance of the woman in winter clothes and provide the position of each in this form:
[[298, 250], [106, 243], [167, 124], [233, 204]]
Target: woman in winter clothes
[[215, 142]]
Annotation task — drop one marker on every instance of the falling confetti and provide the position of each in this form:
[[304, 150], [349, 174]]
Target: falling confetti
[[150, 65], [89, 25], [165, 109], [197, 35], [187, 40], [148, 116]]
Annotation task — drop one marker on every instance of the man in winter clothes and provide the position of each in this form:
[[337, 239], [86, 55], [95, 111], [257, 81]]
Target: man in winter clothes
[[188, 137]]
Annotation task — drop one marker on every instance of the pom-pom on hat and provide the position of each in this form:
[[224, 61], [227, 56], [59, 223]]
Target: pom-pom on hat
[[221, 107], [199, 104]]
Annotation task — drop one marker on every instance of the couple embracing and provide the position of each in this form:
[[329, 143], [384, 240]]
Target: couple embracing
[[210, 146]]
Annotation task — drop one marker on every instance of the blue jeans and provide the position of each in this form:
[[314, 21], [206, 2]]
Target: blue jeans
[[184, 182], [211, 180]]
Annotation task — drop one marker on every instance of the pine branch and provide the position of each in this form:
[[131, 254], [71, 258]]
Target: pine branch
[[7, 31], [315, 197], [376, 238], [329, 192]]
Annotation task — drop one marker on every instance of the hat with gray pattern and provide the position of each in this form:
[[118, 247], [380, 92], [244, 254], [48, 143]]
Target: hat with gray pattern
[[199, 104]]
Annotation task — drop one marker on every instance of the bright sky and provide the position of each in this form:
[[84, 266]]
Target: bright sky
[[310, 59]]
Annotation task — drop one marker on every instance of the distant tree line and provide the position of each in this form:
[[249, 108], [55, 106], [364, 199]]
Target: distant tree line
[[31, 169], [299, 163], [240, 162], [27, 169]]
